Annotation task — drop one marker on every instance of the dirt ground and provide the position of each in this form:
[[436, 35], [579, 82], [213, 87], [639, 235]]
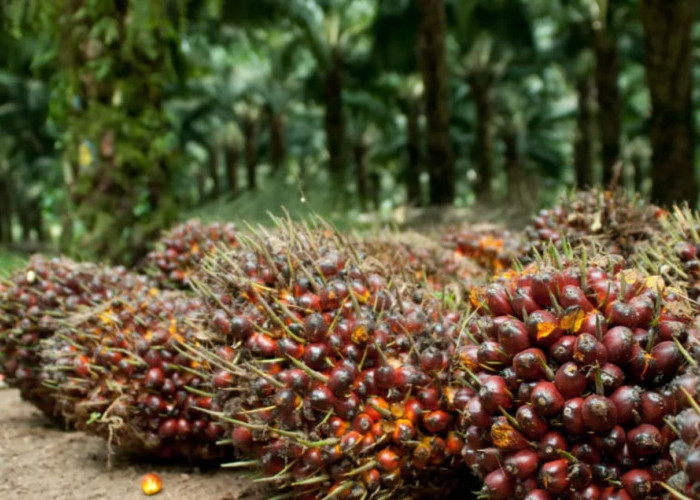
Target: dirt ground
[[40, 461]]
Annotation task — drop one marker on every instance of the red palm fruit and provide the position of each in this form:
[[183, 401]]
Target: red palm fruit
[[645, 440], [499, 485], [454, 443], [513, 337], [563, 349], [388, 460], [529, 364], [497, 300], [262, 345], [642, 366], [523, 486], [167, 428], [315, 328], [669, 330], [599, 413], [538, 495], [154, 379], [622, 313], [546, 399], [522, 464], [627, 400], [605, 473], [611, 442], [588, 351], [652, 409], [668, 358], [611, 376], [429, 398], [290, 347], [525, 392], [241, 328], [586, 452], [523, 303], [476, 414], [545, 285], [530, 423], [543, 328], [637, 483], [511, 378], [340, 380], [573, 296], [551, 444], [595, 324], [242, 438], [570, 380], [222, 379], [644, 307], [436, 421], [619, 342], [580, 475], [554, 476], [572, 416], [505, 437], [494, 394], [489, 459], [491, 355]]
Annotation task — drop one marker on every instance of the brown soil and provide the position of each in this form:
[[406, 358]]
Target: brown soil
[[40, 461]]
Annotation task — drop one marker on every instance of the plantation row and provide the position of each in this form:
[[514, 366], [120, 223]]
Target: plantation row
[[559, 362]]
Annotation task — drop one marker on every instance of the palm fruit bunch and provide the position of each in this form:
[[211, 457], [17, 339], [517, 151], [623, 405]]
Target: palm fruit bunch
[[178, 253], [33, 303], [493, 248], [610, 219], [119, 371], [417, 258], [574, 366], [342, 370]]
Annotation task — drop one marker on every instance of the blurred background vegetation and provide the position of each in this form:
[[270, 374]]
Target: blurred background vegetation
[[119, 117]]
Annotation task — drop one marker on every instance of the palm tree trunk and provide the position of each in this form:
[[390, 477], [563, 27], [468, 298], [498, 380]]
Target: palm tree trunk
[[669, 46], [607, 72], [480, 86], [250, 135], [275, 123], [583, 147], [334, 122], [413, 172], [231, 155], [360, 156], [433, 66], [214, 173], [513, 161]]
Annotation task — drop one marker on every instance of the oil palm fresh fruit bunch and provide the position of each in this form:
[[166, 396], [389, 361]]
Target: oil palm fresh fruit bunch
[[34, 302], [612, 220], [118, 371], [342, 369], [416, 258], [180, 250], [574, 364], [494, 249]]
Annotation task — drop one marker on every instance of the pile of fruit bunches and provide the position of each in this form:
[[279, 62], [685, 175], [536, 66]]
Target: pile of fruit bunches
[[338, 367]]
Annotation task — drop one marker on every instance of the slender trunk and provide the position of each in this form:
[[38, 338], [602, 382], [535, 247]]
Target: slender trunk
[[667, 26], [201, 186], [637, 161], [513, 162], [583, 147], [276, 126], [433, 66], [607, 73], [25, 219], [334, 122], [214, 172], [38, 223], [250, 134], [413, 172], [231, 154], [480, 85], [375, 182], [360, 156]]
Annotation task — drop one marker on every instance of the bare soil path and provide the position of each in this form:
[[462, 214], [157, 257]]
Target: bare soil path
[[40, 461]]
